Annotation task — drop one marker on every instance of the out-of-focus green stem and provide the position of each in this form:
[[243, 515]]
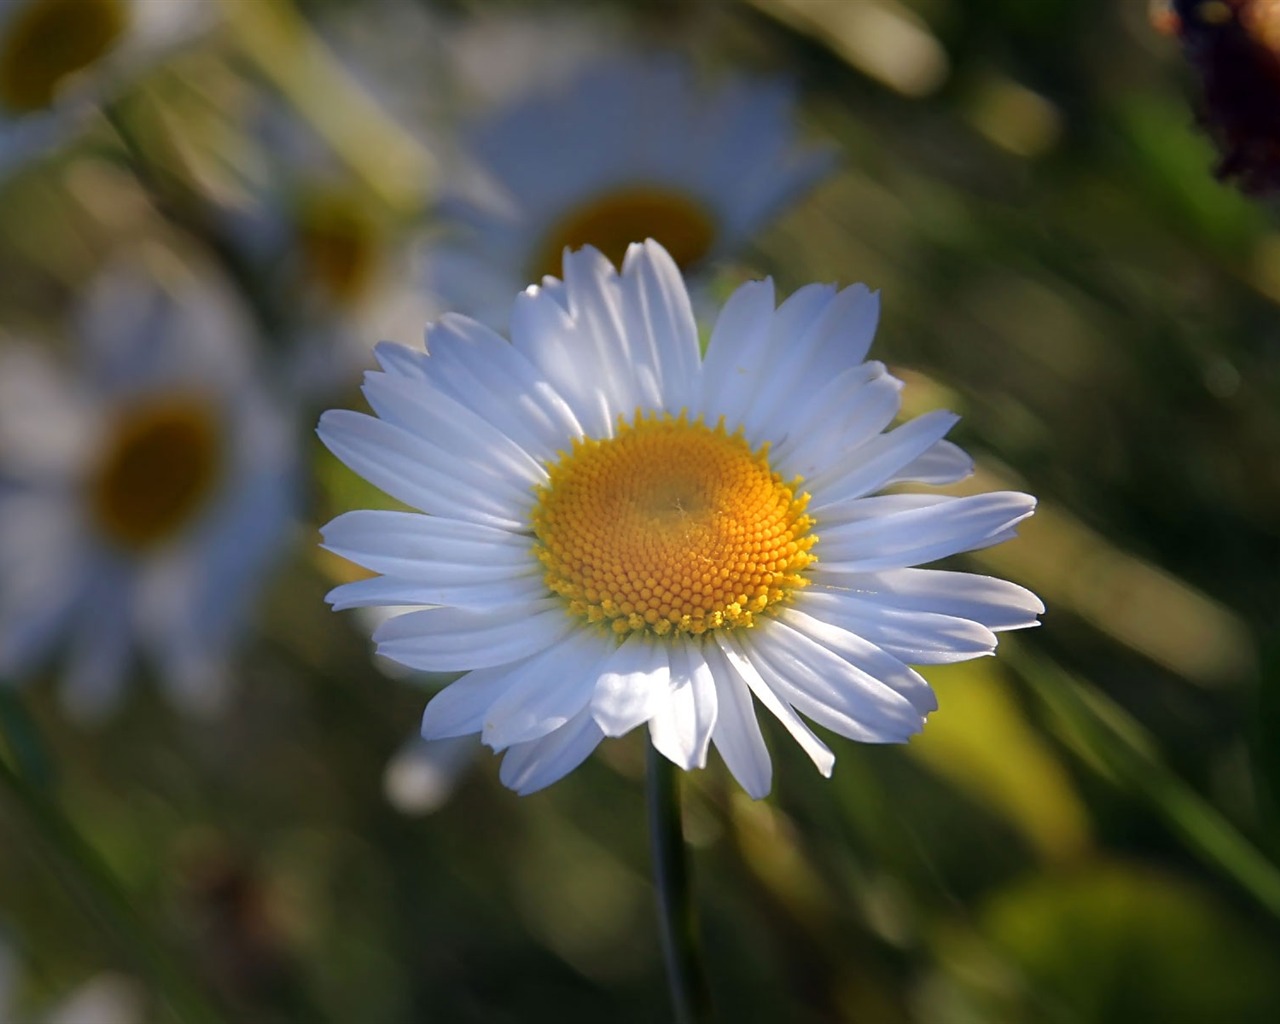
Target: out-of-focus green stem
[[176, 202], [681, 951], [88, 879], [394, 165]]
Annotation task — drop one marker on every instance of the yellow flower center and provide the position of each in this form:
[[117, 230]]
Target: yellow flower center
[[157, 468], [338, 244], [671, 525], [613, 221], [50, 39]]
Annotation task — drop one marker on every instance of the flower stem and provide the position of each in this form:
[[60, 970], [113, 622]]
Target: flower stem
[[681, 951]]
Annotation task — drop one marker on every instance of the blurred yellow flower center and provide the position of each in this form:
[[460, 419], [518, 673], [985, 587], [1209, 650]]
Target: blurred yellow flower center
[[613, 221], [671, 526], [47, 40], [158, 466], [338, 243]]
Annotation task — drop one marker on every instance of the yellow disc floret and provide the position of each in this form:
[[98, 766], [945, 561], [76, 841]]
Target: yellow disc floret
[[158, 466], [615, 219], [47, 41], [671, 525]]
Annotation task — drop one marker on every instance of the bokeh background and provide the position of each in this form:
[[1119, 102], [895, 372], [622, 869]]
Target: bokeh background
[[1086, 831]]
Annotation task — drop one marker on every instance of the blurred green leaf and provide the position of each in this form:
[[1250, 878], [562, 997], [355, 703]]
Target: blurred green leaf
[[981, 742], [22, 740], [1113, 943], [1116, 745]]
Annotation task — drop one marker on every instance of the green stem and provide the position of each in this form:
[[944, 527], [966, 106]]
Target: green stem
[[681, 952], [85, 876], [186, 211]]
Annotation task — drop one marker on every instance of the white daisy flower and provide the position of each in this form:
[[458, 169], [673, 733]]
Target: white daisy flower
[[104, 998], [615, 530], [141, 498], [628, 150], [58, 56]]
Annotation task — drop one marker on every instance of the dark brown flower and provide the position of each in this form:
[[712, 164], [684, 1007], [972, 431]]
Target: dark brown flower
[[1235, 46]]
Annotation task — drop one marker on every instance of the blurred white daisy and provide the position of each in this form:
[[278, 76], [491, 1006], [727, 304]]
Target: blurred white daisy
[[142, 497], [615, 530], [628, 150], [58, 56], [104, 998]]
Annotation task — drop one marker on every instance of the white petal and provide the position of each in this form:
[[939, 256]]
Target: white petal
[[821, 684], [868, 467], [865, 656], [480, 597], [631, 685], [455, 639], [375, 592], [545, 691], [737, 731], [401, 360], [453, 426], [875, 507], [460, 708], [430, 549], [845, 414], [809, 742], [824, 335], [916, 637], [997, 604], [944, 463], [421, 474], [686, 715], [922, 534], [737, 345], [582, 352], [660, 325], [476, 366], [529, 767]]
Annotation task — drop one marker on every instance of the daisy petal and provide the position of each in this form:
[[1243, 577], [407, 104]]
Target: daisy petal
[[820, 683], [923, 534], [686, 714], [734, 352], [916, 637], [375, 592], [997, 604], [944, 463], [660, 320], [430, 549], [828, 334], [843, 415], [819, 753], [866, 657], [401, 360], [868, 467], [529, 767], [475, 366], [564, 352], [631, 685], [454, 639], [545, 691], [460, 708], [465, 430], [737, 731], [420, 474]]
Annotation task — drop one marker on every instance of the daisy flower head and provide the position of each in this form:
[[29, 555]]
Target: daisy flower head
[[58, 56], [614, 530], [629, 149], [142, 494]]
